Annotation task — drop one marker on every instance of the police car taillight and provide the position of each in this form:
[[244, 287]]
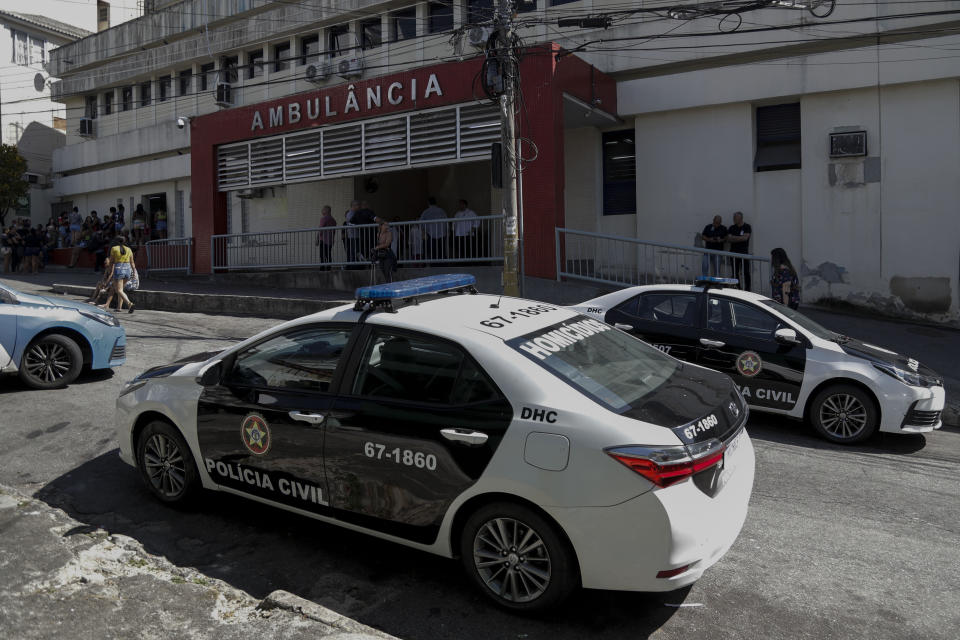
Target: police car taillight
[[668, 465]]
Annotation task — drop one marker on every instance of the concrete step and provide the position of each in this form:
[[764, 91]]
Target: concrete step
[[229, 304]]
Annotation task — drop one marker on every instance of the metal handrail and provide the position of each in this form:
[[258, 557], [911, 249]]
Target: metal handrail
[[170, 254]]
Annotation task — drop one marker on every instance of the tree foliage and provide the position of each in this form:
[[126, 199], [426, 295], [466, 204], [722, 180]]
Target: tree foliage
[[13, 186]]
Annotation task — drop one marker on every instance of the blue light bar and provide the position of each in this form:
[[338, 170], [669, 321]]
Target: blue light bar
[[416, 287], [716, 280]]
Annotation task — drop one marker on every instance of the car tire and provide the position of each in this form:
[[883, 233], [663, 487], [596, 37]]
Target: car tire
[[536, 577], [51, 362], [845, 414], [166, 464]]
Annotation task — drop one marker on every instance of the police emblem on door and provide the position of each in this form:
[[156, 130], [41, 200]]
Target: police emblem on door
[[255, 433], [749, 364]]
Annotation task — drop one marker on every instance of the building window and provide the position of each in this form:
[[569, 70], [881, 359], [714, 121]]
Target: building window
[[778, 137], [440, 16], [479, 11], [338, 40], [206, 73], [36, 51], [370, 34], [186, 79], [619, 173], [164, 86], [91, 108], [281, 56], [403, 25], [103, 15], [254, 64], [229, 69], [126, 98], [21, 48], [108, 103], [524, 6], [309, 48], [145, 94]]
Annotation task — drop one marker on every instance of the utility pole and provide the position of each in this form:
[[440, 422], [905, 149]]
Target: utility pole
[[508, 128]]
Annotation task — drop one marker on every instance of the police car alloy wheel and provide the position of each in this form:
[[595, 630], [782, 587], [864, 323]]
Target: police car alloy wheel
[[166, 463], [51, 362], [844, 414], [517, 558]]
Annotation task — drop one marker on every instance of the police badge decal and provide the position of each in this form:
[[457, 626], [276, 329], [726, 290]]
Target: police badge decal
[[749, 363], [255, 433]]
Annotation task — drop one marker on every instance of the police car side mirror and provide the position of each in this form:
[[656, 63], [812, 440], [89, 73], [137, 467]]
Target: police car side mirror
[[210, 374], [786, 336]]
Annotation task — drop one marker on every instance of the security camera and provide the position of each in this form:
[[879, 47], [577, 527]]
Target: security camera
[[182, 122]]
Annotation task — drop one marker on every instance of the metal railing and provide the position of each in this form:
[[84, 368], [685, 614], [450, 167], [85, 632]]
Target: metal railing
[[608, 259], [477, 240], [171, 254]]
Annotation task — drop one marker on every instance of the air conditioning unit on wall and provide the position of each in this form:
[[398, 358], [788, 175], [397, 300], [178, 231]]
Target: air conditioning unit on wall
[[350, 68], [317, 73], [223, 95], [87, 128], [479, 36]]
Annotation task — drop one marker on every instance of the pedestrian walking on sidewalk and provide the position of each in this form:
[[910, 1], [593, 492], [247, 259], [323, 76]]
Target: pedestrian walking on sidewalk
[[383, 251], [784, 282], [325, 239], [738, 235], [121, 257]]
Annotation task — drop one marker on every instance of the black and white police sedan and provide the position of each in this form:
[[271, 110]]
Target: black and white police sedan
[[546, 449], [781, 360]]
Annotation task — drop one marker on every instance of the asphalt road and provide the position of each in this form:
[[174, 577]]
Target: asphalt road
[[839, 543]]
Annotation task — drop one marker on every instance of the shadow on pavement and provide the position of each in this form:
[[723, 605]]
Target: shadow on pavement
[[783, 430], [259, 549], [11, 383]]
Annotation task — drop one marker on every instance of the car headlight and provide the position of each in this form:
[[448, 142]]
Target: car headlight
[[105, 318], [133, 385], [911, 378]]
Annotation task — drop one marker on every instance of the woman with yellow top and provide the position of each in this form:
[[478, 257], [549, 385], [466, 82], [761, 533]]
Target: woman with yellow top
[[121, 257]]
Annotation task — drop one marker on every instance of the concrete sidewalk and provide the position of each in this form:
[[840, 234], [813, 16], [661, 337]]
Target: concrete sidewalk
[[62, 578], [258, 294]]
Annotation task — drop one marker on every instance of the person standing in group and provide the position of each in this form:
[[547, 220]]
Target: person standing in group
[[139, 224], [31, 251], [118, 220], [714, 235], [436, 231], [465, 232], [161, 224], [350, 235], [738, 235], [76, 225], [784, 282], [366, 237], [121, 257], [325, 238], [383, 251]]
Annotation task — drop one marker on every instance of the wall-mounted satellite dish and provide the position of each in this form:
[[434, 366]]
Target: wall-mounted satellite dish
[[39, 82]]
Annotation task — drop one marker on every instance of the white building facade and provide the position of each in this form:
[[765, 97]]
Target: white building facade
[[834, 128]]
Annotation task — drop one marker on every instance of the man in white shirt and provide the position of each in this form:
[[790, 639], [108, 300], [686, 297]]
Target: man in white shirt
[[464, 230], [436, 232]]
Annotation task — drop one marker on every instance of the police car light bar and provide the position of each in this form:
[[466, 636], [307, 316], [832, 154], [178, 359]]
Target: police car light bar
[[707, 281], [384, 294]]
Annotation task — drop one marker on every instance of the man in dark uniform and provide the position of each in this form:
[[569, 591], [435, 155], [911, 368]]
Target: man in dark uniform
[[738, 234], [714, 235]]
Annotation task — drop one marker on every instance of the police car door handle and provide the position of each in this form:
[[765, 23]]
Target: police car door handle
[[311, 418], [466, 436], [622, 326], [717, 344]]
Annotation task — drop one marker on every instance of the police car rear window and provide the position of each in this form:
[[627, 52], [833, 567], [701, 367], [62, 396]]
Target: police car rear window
[[609, 366]]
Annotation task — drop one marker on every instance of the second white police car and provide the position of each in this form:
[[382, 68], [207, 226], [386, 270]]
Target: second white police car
[[782, 361], [546, 449]]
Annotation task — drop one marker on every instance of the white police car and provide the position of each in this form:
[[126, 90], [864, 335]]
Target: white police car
[[783, 361], [545, 448]]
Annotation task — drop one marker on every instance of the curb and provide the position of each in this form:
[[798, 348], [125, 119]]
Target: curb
[[268, 307], [287, 601]]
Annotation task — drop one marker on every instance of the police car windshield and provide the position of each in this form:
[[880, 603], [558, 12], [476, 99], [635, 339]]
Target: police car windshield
[[607, 365], [802, 321]]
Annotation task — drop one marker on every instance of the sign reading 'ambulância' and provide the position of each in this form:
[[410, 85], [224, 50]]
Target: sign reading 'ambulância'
[[356, 101]]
